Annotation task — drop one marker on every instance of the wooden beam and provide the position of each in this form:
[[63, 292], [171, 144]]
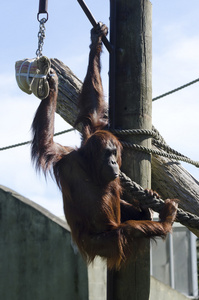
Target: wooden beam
[[171, 180], [69, 89]]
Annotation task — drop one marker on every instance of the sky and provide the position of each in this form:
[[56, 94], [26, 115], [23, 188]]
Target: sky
[[175, 62]]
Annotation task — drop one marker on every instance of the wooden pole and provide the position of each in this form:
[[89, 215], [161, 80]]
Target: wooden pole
[[130, 108]]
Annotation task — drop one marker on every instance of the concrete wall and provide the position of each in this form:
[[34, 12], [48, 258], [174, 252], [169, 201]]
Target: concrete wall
[[97, 275], [97, 285], [160, 291], [37, 260]]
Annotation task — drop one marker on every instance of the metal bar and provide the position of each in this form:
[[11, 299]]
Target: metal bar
[[94, 23], [193, 255], [43, 6], [171, 258], [43, 9]]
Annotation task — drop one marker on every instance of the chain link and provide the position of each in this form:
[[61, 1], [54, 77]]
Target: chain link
[[41, 37]]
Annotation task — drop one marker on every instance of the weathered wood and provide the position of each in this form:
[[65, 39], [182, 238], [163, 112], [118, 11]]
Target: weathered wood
[[169, 178], [69, 88], [131, 37]]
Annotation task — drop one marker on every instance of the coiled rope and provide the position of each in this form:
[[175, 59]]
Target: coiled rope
[[157, 140]]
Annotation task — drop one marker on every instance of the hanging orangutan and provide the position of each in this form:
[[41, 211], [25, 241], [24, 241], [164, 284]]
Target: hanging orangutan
[[101, 222]]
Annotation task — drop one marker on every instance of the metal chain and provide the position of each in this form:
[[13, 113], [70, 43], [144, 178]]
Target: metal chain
[[41, 37]]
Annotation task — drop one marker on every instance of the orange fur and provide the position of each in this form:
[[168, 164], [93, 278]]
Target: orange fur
[[101, 223]]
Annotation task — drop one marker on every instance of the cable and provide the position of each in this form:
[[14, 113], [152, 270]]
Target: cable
[[28, 142], [175, 90]]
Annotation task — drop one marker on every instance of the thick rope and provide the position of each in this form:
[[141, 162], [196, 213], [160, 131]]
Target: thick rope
[[165, 150], [135, 190], [160, 153], [148, 132]]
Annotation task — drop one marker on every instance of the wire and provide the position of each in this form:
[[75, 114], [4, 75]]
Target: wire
[[175, 90], [28, 142]]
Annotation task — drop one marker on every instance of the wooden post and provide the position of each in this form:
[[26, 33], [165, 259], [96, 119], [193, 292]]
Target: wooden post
[[130, 108]]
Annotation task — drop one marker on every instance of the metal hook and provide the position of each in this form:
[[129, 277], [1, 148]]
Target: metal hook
[[45, 19]]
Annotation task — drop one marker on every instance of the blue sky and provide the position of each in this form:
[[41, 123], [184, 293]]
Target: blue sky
[[175, 62]]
